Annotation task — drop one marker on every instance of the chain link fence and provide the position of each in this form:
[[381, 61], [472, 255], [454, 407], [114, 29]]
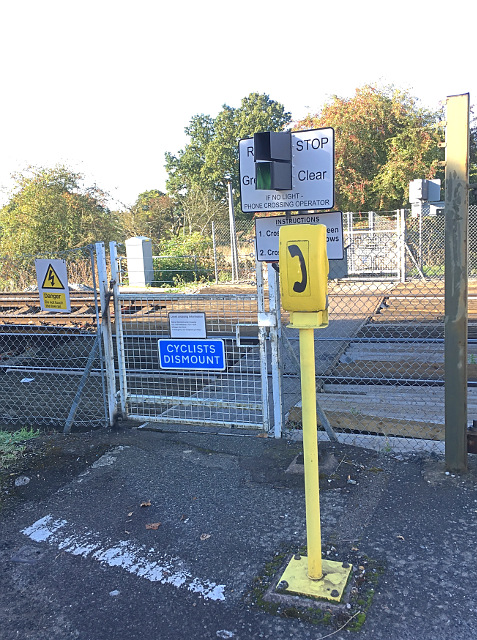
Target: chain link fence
[[425, 245], [425, 240], [245, 243], [230, 257], [372, 244], [380, 363], [171, 270], [50, 363]]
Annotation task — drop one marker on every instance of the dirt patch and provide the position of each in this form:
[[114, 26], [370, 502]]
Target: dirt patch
[[52, 460], [228, 288]]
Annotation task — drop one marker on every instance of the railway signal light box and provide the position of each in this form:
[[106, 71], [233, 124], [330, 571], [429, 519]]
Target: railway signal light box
[[287, 171], [272, 155]]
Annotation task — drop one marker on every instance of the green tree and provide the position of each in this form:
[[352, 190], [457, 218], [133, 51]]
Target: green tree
[[162, 217], [199, 208], [383, 140], [154, 214], [211, 156], [49, 210], [184, 170]]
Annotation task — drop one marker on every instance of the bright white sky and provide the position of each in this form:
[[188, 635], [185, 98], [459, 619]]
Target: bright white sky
[[107, 86]]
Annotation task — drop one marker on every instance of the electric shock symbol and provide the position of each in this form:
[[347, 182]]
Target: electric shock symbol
[[51, 280]]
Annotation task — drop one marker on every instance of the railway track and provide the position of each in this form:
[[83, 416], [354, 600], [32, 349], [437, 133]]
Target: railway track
[[393, 313], [397, 306], [23, 310], [20, 313]]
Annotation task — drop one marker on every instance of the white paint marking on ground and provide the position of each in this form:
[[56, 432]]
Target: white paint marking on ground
[[135, 559]]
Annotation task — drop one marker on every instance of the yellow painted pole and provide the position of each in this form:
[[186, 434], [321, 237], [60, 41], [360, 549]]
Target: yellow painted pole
[[310, 453]]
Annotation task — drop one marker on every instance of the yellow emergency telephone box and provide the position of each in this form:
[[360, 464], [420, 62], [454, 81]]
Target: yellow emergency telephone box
[[304, 274], [303, 267]]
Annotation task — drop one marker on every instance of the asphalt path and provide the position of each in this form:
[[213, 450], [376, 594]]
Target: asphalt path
[[173, 535]]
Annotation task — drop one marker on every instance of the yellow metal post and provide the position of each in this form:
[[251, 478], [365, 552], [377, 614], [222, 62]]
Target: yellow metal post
[[304, 289], [310, 452]]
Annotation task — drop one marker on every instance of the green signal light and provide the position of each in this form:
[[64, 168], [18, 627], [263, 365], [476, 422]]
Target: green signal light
[[263, 175], [273, 175]]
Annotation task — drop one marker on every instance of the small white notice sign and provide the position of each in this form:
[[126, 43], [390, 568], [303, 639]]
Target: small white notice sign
[[187, 324]]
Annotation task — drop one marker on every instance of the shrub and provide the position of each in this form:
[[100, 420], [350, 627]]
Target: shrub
[[184, 258]]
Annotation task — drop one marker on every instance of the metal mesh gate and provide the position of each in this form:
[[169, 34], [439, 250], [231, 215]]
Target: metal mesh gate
[[231, 398], [373, 244]]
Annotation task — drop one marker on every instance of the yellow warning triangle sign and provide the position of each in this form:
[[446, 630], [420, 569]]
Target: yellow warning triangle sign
[[51, 280]]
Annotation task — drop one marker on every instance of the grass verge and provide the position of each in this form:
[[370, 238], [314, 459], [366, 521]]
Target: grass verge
[[12, 444]]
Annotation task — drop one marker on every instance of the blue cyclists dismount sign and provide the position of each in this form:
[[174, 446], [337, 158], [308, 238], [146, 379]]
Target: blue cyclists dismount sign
[[198, 355]]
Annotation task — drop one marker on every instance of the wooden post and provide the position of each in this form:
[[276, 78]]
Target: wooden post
[[456, 281]]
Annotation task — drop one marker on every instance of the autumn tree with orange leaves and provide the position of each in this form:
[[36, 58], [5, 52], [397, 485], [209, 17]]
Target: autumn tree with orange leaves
[[383, 140]]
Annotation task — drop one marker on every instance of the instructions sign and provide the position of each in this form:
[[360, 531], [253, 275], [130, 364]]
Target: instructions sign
[[198, 355], [267, 232], [52, 282], [187, 325], [313, 175]]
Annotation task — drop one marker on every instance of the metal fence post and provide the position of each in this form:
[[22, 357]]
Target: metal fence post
[[215, 252], [93, 354], [263, 346], [371, 221], [106, 331], [233, 234], [118, 327], [349, 220], [456, 280], [274, 306], [401, 223]]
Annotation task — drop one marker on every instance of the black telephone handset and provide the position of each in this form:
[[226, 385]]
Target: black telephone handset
[[295, 251]]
